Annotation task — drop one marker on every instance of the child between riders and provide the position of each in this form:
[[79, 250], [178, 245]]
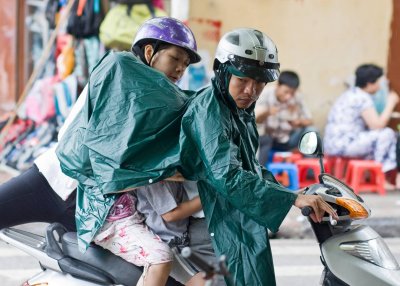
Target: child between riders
[[163, 206], [143, 233]]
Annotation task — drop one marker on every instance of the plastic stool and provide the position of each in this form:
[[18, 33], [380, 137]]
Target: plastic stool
[[286, 174], [338, 165], [286, 157], [356, 176], [305, 166], [271, 155]]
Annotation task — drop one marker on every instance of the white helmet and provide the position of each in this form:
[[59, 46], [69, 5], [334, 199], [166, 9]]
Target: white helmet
[[251, 52]]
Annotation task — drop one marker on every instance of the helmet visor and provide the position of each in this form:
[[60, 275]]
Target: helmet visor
[[260, 71]]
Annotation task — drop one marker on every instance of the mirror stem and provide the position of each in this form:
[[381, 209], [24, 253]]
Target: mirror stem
[[321, 162]]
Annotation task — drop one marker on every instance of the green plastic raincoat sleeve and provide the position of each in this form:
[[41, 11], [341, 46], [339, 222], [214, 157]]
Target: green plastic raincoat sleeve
[[264, 201], [130, 126]]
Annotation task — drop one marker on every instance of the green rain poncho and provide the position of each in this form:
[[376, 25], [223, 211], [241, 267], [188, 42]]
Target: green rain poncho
[[240, 198], [126, 136]]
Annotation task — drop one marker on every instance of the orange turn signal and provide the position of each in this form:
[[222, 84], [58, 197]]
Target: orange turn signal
[[357, 211]]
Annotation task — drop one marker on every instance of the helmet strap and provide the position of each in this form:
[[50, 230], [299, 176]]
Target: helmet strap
[[156, 48], [223, 77], [140, 52]]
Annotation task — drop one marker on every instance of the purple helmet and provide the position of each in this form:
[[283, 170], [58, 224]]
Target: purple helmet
[[168, 30]]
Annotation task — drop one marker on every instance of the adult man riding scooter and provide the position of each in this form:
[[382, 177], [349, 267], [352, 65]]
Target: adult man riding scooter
[[218, 143]]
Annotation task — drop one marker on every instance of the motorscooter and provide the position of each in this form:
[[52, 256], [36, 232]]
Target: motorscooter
[[352, 254], [63, 264]]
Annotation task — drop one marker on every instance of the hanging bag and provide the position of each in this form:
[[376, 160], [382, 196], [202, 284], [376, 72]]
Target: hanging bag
[[122, 22], [85, 18], [130, 4], [51, 11]]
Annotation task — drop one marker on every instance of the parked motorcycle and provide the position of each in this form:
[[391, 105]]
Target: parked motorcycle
[[352, 254]]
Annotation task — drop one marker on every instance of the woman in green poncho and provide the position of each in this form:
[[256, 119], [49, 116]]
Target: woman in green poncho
[[218, 144], [127, 132]]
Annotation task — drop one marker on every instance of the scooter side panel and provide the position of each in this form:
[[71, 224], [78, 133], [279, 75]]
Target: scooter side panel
[[352, 270]]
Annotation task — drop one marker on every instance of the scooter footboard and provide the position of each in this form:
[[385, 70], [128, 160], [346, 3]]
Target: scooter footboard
[[31, 244], [27, 238]]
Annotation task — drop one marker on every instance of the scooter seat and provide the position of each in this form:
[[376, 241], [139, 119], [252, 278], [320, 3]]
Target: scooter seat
[[118, 269]]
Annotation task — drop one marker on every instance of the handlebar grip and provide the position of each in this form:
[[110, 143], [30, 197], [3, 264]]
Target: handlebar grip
[[306, 211], [204, 266]]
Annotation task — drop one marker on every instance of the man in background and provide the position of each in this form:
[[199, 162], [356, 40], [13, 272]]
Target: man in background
[[281, 116]]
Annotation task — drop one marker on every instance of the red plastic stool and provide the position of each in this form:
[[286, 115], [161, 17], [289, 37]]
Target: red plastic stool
[[356, 176], [286, 157], [305, 166], [338, 165]]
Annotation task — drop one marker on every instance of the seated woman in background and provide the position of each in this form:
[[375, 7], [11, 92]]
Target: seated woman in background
[[355, 129]]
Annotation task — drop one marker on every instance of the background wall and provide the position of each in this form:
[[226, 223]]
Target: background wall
[[323, 40]]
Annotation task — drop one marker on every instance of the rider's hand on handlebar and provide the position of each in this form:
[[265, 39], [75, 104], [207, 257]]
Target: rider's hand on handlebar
[[318, 205]]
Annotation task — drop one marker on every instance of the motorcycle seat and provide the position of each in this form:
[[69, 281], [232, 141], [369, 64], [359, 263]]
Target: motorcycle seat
[[117, 269], [121, 271]]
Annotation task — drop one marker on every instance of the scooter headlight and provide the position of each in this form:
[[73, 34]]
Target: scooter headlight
[[374, 251]]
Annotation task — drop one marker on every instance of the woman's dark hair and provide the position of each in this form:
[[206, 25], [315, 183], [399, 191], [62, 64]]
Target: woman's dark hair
[[289, 78], [368, 73]]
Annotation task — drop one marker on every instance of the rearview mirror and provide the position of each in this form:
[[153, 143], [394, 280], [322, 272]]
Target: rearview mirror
[[309, 143]]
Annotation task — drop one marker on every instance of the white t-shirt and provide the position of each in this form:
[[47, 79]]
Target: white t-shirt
[[48, 163]]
